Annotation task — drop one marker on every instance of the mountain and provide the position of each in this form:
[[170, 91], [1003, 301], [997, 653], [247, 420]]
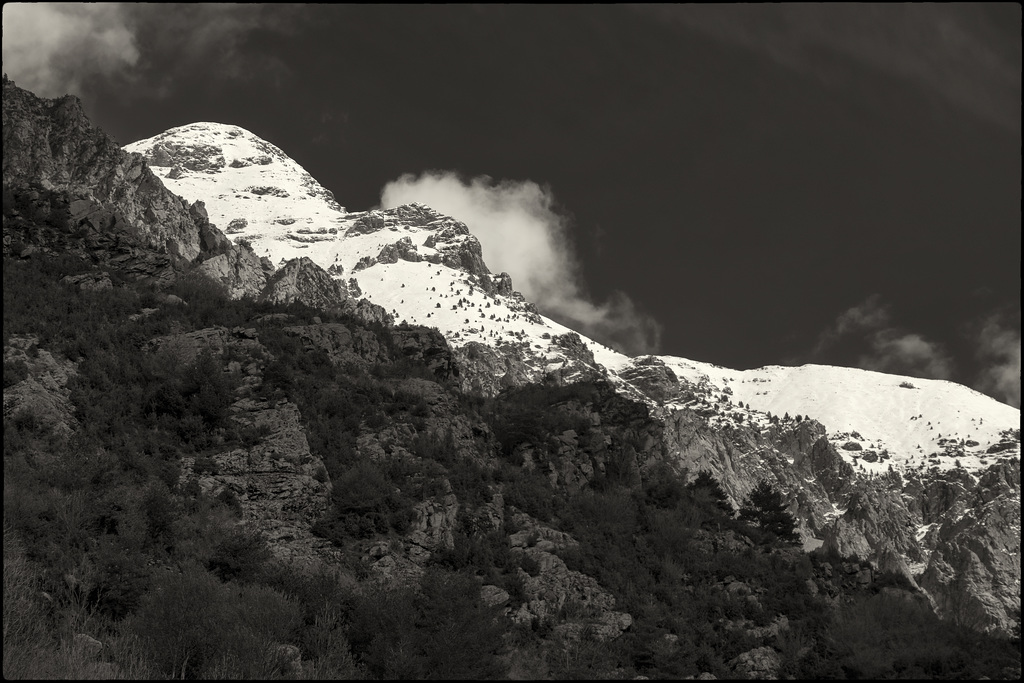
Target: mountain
[[426, 268], [354, 398]]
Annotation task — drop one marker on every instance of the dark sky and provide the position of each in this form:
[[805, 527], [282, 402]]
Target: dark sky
[[760, 184]]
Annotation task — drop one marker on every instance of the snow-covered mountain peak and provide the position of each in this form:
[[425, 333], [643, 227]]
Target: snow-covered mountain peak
[[421, 266], [426, 268], [240, 177]]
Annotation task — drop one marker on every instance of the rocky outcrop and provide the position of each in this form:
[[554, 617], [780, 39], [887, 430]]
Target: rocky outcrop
[[341, 343], [41, 392], [52, 142], [183, 349], [740, 457], [973, 574], [651, 376], [555, 593], [301, 280], [279, 487], [403, 249], [433, 526], [88, 282], [486, 370], [761, 663], [239, 271], [876, 523], [426, 346]]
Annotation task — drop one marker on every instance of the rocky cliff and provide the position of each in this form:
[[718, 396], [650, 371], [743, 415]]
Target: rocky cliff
[[52, 143]]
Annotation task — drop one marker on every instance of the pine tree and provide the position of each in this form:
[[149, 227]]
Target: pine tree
[[765, 507], [708, 486]]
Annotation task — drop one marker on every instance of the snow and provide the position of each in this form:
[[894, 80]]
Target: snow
[[912, 423], [930, 423]]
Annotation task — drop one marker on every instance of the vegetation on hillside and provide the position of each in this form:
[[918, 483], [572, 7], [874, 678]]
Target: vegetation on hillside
[[104, 540]]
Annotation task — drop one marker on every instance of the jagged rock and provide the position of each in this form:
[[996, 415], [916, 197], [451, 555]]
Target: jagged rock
[[116, 211], [650, 375], [43, 394], [53, 143], [875, 520], [395, 570], [88, 281], [364, 263], [340, 343], [491, 515], [240, 271], [302, 280], [403, 249], [456, 248], [503, 284], [184, 348], [534, 534], [428, 346], [433, 525], [281, 488], [486, 370], [493, 596], [974, 572], [761, 662], [369, 223]]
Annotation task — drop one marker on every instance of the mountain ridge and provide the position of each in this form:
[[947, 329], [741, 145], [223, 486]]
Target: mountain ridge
[[422, 471], [877, 424], [389, 254]]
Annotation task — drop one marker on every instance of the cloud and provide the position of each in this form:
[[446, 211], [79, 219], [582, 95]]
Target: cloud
[[999, 350], [52, 49], [868, 315], [522, 234], [907, 354], [57, 48], [883, 346]]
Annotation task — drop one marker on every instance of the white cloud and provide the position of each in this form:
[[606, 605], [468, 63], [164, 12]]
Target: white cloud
[[52, 48], [521, 234], [907, 354], [999, 348]]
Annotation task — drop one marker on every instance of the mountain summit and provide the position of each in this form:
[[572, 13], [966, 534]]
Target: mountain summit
[[426, 268], [896, 469]]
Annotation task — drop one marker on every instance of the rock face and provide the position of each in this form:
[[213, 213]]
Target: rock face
[[589, 608], [301, 280], [973, 573], [403, 249], [43, 391], [239, 270], [969, 560], [52, 142], [79, 192], [280, 487], [654, 378]]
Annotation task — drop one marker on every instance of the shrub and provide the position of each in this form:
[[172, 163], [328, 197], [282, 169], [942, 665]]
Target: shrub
[[193, 626]]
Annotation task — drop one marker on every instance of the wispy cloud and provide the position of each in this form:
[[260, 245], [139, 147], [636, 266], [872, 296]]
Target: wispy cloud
[[522, 234], [884, 346], [907, 354], [999, 350], [59, 48], [53, 48]]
